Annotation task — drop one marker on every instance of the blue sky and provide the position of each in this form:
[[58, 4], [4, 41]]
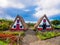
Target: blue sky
[[30, 10]]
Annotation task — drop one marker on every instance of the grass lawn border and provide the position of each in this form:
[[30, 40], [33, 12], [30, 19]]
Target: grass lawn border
[[47, 35]]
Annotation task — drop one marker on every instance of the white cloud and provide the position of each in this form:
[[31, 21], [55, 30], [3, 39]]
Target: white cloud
[[9, 17], [11, 3], [30, 21], [47, 7], [3, 3], [26, 10], [28, 3], [5, 16], [49, 12]]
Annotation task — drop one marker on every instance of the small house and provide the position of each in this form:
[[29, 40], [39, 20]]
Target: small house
[[18, 24], [43, 24]]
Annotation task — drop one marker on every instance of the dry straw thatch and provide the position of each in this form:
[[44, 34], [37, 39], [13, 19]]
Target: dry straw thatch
[[39, 21], [22, 21]]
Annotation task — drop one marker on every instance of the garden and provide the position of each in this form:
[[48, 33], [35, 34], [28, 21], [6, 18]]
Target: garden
[[47, 34], [5, 33], [10, 37]]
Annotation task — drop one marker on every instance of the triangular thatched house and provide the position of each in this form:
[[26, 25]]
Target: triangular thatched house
[[43, 24], [19, 24]]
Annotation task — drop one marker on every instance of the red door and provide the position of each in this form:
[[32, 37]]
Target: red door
[[17, 26]]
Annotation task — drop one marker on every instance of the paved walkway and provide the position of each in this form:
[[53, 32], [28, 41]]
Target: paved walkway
[[29, 37], [52, 41]]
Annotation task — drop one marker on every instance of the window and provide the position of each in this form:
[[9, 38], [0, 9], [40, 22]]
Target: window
[[20, 26], [17, 21], [48, 25], [44, 20], [14, 26]]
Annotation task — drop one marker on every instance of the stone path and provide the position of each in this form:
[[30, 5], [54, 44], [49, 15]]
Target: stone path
[[29, 37], [52, 41]]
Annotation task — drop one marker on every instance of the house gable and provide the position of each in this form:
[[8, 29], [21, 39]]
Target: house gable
[[19, 24], [43, 24]]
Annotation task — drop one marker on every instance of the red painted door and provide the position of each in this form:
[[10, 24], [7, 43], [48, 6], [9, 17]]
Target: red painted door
[[17, 26]]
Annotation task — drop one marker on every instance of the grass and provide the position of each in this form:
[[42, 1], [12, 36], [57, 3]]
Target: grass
[[21, 33], [56, 26], [3, 43], [47, 35], [15, 32]]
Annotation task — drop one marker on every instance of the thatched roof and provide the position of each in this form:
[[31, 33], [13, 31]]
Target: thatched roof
[[22, 21], [39, 21]]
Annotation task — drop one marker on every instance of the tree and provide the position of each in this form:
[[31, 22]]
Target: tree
[[55, 22], [5, 24]]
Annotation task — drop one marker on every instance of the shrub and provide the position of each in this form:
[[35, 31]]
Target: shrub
[[3, 43], [47, 35]]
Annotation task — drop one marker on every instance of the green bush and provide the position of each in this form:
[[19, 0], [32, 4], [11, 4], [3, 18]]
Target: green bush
[[3, 43], [5, 24], [22, 34], [47, 35]]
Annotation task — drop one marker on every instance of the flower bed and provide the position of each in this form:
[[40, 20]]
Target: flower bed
[[9, 36], [2, 35]]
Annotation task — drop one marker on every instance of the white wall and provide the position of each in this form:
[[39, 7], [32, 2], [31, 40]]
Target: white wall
[[47, 23], [16, 23]]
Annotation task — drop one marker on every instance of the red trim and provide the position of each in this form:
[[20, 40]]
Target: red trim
[[17, 29], [40, 28], [48, 28]]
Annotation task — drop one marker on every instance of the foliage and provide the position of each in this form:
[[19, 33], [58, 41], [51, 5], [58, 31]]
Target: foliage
[[5, 24], [30, 24], [56, 26], [55, 22], [47, 35], [3, 43], [14, 33], [10, 34]]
